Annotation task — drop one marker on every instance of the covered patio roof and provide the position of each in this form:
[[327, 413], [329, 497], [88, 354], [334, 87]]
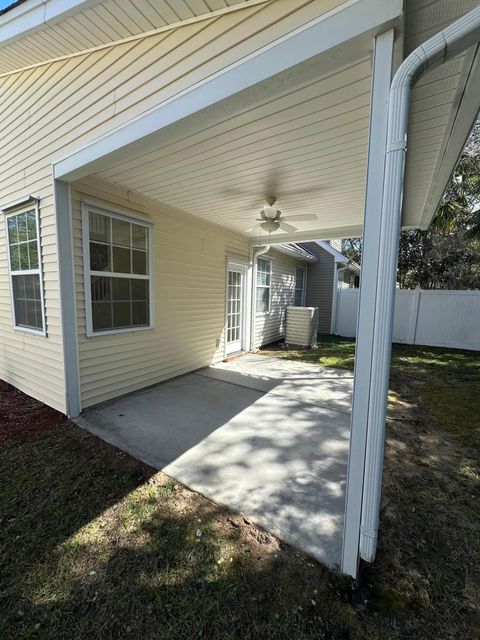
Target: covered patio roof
[[293, 119]]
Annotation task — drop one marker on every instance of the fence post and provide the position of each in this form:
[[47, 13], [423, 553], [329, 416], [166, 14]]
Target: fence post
[[418, 294]]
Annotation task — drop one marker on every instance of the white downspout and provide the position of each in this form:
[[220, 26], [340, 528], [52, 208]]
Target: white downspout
[[257, 251], [441, 47]]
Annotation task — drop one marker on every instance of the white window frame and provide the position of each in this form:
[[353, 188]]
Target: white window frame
[[32, 206], [88, 207], [269, 287], [303, 289]]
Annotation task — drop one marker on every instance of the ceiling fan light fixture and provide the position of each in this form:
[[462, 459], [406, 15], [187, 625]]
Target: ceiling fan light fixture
[[269, 225], [270, 212]]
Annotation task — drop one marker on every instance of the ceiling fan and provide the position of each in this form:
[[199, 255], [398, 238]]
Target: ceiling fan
[[271, 218]]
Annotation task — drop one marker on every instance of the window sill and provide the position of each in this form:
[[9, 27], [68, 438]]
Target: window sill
[[41, 333], [114, 332]]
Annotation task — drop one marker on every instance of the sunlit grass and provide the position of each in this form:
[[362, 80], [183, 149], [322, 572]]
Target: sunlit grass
[[447, 380], [94, 544]]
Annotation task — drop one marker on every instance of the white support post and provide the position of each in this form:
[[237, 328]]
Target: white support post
[[67, 297], [371, 267]]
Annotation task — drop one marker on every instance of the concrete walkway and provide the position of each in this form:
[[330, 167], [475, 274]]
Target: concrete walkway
[[265, 436]]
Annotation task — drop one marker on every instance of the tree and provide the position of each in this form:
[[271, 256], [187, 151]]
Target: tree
[[352, 248], [447, 255], [438, 259], [461, 200]]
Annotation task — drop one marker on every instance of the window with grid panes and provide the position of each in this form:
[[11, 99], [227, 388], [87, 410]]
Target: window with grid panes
[[299, 286], [118, 271], [264, 282], [25, 270]]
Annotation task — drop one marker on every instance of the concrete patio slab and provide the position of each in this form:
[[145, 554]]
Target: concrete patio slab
[[297, 380], [267, 437]]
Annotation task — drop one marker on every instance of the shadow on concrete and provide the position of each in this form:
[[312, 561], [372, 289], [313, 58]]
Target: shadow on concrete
[[266, 437]]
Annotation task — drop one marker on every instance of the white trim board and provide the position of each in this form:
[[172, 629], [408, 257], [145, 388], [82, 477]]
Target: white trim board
[[339, 257], [68, 300], [312, 235], [352, 20], [372, 247], [245, 267]]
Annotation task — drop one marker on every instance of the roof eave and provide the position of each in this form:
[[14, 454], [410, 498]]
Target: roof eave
[[295, 251], [461, 123], [32, 14]]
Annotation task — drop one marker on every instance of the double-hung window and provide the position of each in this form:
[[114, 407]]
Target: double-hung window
[[264, 285], [299, 286], [23, 241], [117, 264]]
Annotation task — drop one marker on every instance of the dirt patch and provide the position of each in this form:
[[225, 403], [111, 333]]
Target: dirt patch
[[94, 544], [22, 418]]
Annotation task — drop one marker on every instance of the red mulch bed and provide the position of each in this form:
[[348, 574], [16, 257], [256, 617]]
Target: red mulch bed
[[22, 418]]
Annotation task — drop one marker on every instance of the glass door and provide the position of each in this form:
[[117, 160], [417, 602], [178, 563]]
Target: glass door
[[235, 302]]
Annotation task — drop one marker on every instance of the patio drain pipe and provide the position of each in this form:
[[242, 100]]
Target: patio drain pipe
[[257, 251], [443, 46]]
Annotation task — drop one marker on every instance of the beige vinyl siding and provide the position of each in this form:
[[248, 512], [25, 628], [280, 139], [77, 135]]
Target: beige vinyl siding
[[51, 110], [320, 285], [34, 363], [189, 258], [336, 244], [270, 326], [101, 23]]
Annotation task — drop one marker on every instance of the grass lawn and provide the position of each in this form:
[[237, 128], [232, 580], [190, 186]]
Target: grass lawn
[[94, 544]]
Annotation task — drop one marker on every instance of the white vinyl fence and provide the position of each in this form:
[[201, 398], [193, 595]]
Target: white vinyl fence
[[433, 318]]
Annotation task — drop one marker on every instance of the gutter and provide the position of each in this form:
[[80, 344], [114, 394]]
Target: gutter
[[443, 46], [296, 252]]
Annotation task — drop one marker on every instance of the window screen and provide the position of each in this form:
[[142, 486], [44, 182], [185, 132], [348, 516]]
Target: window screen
[[25, 274]]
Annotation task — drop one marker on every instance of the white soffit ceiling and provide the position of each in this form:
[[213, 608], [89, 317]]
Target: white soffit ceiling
[[100, 23], [312, 137], [434, 103]]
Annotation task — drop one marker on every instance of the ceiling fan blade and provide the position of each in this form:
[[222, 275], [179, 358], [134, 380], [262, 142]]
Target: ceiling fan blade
[[254, 226], [249, 199], [303, 217], [302, 191], [287, 227]]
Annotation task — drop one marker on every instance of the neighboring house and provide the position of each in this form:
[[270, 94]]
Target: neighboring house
[[138, 144], [332, 270], [281, 280]]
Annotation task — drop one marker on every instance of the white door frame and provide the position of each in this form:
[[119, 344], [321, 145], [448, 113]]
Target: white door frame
[[245, 268]]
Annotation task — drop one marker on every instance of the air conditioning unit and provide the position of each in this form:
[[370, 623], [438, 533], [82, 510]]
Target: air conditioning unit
[[301, 326]]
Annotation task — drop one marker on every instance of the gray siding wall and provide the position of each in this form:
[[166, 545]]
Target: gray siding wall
[[320, 285], [270, 327]]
